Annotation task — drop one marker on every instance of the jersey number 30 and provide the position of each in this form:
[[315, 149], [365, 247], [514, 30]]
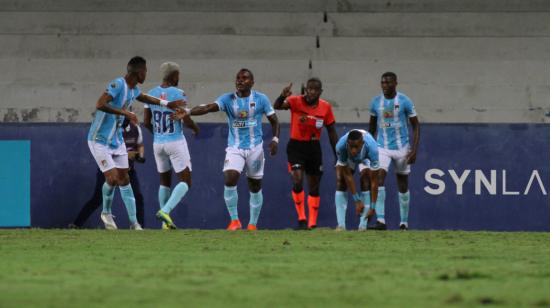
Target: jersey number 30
[[163, 123]]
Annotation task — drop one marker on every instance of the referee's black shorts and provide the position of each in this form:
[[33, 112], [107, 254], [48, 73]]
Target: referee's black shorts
[[305, 155]]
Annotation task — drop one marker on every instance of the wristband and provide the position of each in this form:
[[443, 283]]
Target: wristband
[[356, 197], [163, 102], [275, 139]]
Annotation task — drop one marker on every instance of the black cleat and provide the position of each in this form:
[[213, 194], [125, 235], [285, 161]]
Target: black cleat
[[302, 225], [377, 226], [403, 227]]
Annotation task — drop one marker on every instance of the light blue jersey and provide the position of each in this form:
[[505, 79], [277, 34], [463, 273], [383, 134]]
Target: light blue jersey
[[368, 154], [106, 127], [244, 117], [392, 116], [164, 128]]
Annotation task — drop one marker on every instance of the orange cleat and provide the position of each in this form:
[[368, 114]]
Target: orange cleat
[[234, 225], [252, 228]]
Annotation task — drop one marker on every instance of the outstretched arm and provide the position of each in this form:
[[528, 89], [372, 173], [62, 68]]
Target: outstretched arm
[[103, 105], [280, 103], [148, 99], [204, 109], [275, 128], [411, 157], [182, 115]]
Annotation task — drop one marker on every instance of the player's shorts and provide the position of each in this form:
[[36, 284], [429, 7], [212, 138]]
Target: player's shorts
[[173, 154], [107, 158], [397, 157], [306, 155], [352, 165], [252, 161]]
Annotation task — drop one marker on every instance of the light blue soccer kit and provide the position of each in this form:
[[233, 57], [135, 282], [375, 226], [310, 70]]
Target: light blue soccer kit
[[107, 144], [244, 145], [169, 145], [368, 156], [393, 140]]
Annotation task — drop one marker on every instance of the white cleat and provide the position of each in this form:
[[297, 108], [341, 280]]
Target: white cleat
[[108, 221], [339, 229], [136, 226]]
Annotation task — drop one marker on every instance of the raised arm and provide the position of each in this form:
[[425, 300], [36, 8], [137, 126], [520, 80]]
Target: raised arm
[[204, 109], [148, 99], [280, 102], [411, 157], [103, 105]]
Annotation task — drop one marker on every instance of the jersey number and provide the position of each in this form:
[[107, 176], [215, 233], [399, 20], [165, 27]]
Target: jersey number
[[163, 123]]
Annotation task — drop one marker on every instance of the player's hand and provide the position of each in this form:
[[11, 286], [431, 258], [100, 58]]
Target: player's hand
[[370, 214], [273, 147], [411, 157], [286, 91], [131, 117], [179, 114], [139, 159], [359, 207], [132, 155]]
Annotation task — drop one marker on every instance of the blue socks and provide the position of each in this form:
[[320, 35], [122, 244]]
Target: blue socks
[[177, 194], [341, 201], [164, 195], [365, 195], [404, 200], [108, 192], [127, 194], [380, 204], [231, 200], [256, 201]]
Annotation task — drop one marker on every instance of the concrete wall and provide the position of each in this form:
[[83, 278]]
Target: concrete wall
[[460, 61]]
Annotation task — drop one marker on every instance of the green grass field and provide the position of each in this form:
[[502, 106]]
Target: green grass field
[[192, 268]]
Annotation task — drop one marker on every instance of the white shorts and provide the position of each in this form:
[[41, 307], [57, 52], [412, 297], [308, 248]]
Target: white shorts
[[253, 159], [398, 157], [362, 166], [107, 158], [172, 155]]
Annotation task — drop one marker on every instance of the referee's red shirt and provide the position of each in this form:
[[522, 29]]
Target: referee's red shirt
[[306, 122]]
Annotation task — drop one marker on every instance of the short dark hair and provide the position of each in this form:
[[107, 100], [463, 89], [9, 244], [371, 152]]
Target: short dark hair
[[390, 74], [355, 135], [135, 64], [246, 70], [315, 79]]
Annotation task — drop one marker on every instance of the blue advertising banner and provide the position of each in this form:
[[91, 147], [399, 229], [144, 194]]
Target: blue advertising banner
[[15, 205], [467, 177]]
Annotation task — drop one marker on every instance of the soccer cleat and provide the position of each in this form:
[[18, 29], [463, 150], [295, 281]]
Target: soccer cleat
[[234, 225], [136, 226], [165, 226], [166, 219], [378, 226], [362, 227], [251, 227], [339, 229], [302, 225], [108, 221], [403, 227]]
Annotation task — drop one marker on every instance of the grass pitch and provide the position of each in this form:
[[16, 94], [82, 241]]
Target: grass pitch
[[191, 268]]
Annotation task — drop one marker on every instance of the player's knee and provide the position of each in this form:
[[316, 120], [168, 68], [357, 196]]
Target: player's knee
[[297, 187], [314, 192]]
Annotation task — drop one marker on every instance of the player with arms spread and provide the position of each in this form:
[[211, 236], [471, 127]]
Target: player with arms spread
[[169, 144], [389, 114], [309, 113], [106, 142], [357, 147], [244, 109]]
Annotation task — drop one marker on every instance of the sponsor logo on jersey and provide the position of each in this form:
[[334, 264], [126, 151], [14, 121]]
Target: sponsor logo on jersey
[[243, 114]]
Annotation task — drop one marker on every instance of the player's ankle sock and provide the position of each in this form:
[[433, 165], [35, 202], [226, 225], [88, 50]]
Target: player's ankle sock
[[108, 192], [164, 195], [299, 204], [341, 201], [177, 194], [404, 200], [231, 200], [365, 196], [127, 194], [313, 208], [380, 204], [256, 202]]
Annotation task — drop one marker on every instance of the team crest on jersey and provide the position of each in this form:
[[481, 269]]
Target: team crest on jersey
[[163, 95], [113, 85], [243, 114]]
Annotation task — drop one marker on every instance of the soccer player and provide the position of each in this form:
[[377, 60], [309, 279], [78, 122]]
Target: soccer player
[[106, 142], [244, 109], [389, 114], [169, 144], [357, 147], [308, 114]]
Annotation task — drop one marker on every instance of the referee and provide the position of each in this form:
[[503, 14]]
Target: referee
[[308, 114]]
